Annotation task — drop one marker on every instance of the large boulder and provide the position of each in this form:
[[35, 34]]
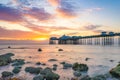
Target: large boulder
[[7, 74], [67, 65], [49, 75], [60, 49], [45, 71], [18, 62], [115, 71], [52, 76], [33, 70], [38, 77], [16, 70], [80, 67], [6, 59]]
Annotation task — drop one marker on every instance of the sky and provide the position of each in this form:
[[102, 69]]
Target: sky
[[42, 19]]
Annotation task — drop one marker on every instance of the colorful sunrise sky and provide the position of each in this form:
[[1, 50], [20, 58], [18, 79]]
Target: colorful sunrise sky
[[41, 19]]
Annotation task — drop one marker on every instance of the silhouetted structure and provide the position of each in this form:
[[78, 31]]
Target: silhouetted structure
[[103, 39]]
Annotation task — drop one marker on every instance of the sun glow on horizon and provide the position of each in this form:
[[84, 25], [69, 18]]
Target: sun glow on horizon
[[40, 39]]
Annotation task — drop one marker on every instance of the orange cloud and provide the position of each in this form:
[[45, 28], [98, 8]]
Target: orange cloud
[[22, 35]]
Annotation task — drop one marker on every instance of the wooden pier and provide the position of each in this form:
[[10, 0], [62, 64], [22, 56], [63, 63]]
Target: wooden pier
[[104, 38]]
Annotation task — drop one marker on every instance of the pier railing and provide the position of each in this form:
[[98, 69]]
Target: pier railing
[[102, 39]]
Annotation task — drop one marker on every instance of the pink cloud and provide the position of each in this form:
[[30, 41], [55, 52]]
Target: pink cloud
[[54, 2]]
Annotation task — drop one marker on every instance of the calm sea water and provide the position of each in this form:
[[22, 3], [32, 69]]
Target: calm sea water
[[99, 62]]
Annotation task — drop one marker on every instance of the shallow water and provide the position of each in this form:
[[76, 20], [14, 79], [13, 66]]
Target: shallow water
[[99, 62]]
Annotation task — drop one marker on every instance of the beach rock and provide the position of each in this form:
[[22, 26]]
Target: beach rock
[[38, 63], [54, 68], [67, 65], [8, 55], [52, 60], [62, 62], [60, 49], [80, 67], [86, 59], [38, 77], [43, 64], [52, 76], [5, 59], [18, 62], [30, 56], [85, 78], [33, 70], [115, 71], [7, 74], [9, 47], [111, 60], [39, 49], [99, 77], [16, 70], [77, 74], [45, 71], [55, 65]]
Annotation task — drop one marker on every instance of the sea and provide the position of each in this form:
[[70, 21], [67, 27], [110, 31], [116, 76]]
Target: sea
[[101, 59]]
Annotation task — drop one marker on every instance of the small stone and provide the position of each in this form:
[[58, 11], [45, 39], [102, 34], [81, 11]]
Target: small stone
[[9, 47], [54, 68], [55, 65], [30, 56], [87, 59], [111, 60], [52, 60], [60, 49], [39, 49], [38, 63]]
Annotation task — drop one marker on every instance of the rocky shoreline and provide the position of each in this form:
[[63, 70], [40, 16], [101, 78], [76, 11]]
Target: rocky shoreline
[[48, 73]]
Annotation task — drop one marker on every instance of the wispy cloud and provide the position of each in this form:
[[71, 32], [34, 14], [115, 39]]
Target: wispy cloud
[[92, 27], [10, 14], [66, 9], [37, 13]]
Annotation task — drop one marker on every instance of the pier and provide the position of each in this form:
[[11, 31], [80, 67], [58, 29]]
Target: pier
[[104, 38]]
